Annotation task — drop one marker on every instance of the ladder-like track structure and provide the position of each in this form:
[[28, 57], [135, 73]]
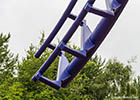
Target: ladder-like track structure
[[67, 71]]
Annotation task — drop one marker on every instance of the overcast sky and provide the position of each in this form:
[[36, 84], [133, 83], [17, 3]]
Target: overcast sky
[[25, 19]]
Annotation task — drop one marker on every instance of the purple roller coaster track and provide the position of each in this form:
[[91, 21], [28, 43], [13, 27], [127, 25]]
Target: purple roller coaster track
[[90, 41]]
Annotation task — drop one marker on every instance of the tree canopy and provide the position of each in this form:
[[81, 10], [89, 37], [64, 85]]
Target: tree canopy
[[98, 80]]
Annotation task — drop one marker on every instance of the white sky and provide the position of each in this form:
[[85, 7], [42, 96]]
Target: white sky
[[25, 19]]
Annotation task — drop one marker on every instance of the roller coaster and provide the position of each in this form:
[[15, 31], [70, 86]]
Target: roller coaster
[[90, 41]]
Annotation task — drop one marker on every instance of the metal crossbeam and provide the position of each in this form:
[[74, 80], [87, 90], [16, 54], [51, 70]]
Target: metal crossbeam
[[67, 71]]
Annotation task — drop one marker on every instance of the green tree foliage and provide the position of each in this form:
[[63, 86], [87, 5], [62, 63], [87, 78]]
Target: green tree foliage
[[8, 66], [135, 87], [7, 61], [118, 76], [99, 79], [138, 86]]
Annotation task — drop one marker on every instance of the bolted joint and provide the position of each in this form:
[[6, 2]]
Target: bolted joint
[[36, 77], [62, 45], [88, 7]]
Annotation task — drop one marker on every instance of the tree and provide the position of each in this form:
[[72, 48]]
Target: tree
[[96, 81], [118, 76], [80, 87], [8, 65], [138, 86], [135, 90]]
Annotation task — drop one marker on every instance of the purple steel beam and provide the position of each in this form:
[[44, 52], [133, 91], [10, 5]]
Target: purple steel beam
[[91, 45], [57, 28], [73, 17], [96, 38], [107, 14], [66, 38]]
